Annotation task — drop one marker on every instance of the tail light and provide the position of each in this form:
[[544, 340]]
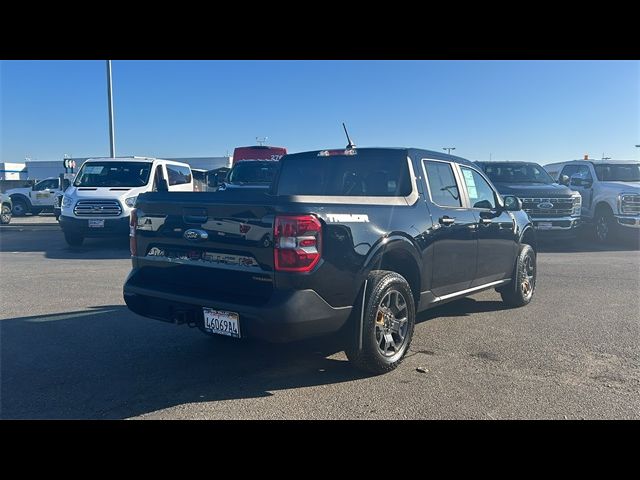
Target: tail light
[[297, 242], [244, 228], [133, 220]]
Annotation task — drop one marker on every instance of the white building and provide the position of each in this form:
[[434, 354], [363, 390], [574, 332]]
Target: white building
[[13, 171]]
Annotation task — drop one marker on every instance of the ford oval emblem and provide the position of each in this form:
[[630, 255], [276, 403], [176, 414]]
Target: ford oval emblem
[[195, 234], [545, 206]]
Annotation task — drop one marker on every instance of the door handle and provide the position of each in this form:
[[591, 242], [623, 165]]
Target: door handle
[[446, 220], [485, 221]]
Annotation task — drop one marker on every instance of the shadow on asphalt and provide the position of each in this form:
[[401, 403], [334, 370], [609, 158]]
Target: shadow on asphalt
[[50, 241], [461, 308], [109, 363]]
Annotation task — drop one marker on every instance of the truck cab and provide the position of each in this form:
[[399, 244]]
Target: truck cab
[[554, 208], [610, 193], [100, 200], [35, 199]]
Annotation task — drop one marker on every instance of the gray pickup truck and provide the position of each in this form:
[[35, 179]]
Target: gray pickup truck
[[610, 192]]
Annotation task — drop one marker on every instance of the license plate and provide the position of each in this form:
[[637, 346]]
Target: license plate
[[221, 322], [545, 225], [96, 223]]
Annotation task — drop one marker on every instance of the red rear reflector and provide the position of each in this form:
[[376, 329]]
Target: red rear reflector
[[133, 220], [297, 242]]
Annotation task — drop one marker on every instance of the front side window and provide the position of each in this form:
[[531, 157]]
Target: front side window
[[481, 195], [581, 170], [178, 175], [442, 184], [46, 184], [113, 174]]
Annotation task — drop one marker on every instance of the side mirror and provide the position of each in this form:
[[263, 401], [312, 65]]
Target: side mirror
[[512, 203], [578, 181], [564, 180]]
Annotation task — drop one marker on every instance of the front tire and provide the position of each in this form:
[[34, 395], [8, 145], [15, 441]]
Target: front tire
[[605, 224], [388, 322], [523, 281], [20, 208], [73, 239], [5, 215]]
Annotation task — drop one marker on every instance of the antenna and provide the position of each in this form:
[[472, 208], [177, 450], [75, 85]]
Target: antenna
[[261, 140], [350, 144]]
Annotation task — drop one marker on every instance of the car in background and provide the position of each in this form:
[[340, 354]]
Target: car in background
[[35, 199], [553, 208], [100, 200], [610, 192], [254, 167], [5, 209]]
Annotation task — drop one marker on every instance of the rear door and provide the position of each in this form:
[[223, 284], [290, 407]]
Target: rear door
[[497, 240], [454, 236]]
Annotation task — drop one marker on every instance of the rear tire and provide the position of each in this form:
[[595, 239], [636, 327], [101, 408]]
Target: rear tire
[[5, 215], [73, 239], [20, 208], [523, 281], [388, 322]]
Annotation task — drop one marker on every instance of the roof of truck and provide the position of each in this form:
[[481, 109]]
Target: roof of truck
[[414, 152]]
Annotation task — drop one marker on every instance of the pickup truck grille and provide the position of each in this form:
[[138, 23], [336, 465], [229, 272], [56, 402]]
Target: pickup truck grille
[[560, 207], [630, 203], [101, 208]]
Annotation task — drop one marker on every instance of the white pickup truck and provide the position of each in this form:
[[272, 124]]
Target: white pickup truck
[[100, 200], [610, 192], [35, 199]]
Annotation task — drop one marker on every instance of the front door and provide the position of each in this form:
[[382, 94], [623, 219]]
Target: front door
[[453, 233], [43, 193], [584, 186], [497, 240]]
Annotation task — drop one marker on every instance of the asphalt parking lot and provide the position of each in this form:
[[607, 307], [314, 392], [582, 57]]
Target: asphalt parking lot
[[69, 348]]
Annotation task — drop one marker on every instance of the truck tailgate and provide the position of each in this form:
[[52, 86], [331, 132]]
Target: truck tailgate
[[216, 245]]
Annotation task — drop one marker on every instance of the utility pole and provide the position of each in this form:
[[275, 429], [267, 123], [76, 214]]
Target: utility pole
[[112, 140], [448, 149]]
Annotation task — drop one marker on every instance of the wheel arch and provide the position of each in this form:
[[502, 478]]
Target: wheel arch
[[530, 238], [21, 196], [397, 254]]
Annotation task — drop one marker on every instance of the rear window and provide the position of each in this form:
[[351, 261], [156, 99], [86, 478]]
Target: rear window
[[375, 175]]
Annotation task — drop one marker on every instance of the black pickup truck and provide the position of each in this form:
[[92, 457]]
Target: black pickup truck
[[553, 208], [349, 241]]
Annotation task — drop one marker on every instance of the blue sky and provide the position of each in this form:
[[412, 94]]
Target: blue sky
[[540, 111]]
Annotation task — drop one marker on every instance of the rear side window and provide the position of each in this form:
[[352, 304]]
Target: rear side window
[[178, 175], [442, 184], [368, 174]]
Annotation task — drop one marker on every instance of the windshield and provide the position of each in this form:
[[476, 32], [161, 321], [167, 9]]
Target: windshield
[[253, 172], [113, 174], [618, 172], [517, 173]]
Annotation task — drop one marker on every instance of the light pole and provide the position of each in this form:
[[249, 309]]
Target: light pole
[[112, 141], [448, 149]]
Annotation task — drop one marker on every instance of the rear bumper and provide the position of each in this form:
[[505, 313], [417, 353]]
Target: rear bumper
[[287, 315], [113, 227]]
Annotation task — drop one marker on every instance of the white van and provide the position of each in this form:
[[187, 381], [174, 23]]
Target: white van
[[104, 192]]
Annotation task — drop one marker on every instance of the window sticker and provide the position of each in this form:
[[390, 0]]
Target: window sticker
[[471, 184], [93, 170]]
